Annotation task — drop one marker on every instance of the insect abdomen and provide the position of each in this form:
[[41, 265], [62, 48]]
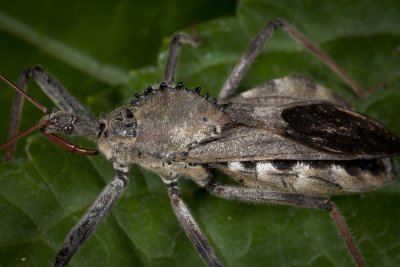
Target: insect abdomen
[[312, 177]]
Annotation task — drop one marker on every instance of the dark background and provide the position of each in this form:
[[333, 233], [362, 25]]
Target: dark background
[[104, 53]]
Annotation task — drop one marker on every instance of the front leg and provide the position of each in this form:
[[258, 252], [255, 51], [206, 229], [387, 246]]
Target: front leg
[[188, 223], [53, 89], [93, 217], [177, 40]]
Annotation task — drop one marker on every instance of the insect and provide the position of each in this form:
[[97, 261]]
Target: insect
[[288, 141]]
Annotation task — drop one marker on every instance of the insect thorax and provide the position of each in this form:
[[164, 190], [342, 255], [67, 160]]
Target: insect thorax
[[164, 123]]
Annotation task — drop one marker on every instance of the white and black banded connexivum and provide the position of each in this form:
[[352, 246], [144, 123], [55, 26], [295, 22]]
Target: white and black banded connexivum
[[319, 178], [287, 141]]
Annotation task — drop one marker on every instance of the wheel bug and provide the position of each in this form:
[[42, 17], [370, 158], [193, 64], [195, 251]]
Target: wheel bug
[[288, 141]]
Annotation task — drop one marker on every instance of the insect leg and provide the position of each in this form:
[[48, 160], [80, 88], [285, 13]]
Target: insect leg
[[94, 216], [52, 88], [252, 51], [173, 53], [257, 44], [262, 196], [55, 91], [190, 226]]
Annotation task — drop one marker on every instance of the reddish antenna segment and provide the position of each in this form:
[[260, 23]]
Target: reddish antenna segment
[[15, 87], [24, 133], [52, 137]]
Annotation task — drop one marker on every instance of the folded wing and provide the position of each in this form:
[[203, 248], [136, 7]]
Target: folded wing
[[295, 119]]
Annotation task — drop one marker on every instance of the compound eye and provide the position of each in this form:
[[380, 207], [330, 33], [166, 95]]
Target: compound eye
[[129, 113], [68, 129]]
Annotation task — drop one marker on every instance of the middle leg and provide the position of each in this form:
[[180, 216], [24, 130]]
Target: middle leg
[[258, 43], [189, 224]]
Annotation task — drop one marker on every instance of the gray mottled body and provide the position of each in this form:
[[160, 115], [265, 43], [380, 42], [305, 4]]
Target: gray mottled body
[[175, 132], [288, 141], [246, 140]]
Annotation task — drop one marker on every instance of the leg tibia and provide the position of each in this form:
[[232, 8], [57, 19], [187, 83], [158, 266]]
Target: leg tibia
[[262, 196]]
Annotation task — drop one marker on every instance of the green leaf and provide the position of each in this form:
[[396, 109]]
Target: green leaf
[[45, 190]]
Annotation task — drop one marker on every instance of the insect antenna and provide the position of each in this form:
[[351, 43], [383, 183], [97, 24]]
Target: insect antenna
[[20, 91], [35, 127], [52, 137], [14, 139]]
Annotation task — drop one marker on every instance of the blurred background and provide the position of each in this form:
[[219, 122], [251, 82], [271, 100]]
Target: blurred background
[[106, 52]]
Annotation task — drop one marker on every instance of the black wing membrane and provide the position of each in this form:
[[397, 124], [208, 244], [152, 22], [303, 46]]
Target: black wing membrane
[[294, 119], [334, 129]]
